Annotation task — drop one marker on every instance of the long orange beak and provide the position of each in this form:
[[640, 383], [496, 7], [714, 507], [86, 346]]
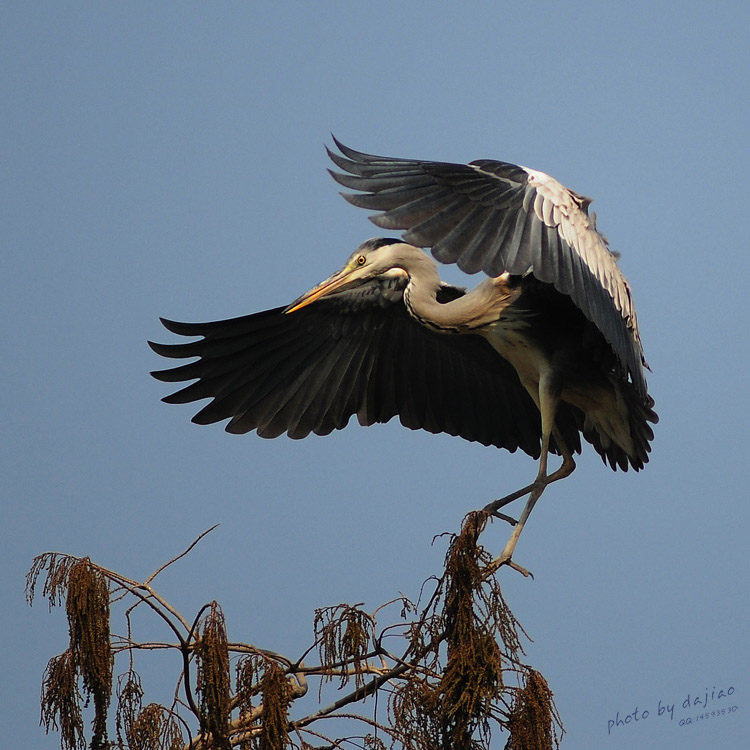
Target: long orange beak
[[330, 285]]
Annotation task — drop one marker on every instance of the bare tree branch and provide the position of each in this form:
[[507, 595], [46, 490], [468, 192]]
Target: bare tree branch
[[181, 555], [421, 675]]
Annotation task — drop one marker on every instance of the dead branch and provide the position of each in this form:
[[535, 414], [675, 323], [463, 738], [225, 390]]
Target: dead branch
[[453, 669]]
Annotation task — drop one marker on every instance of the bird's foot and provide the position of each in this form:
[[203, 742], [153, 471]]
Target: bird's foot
[[501, 560], [493, 507], [503, 517]]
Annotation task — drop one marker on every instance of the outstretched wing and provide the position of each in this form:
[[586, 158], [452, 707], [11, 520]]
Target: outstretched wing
[[498, 217], [357, 352]]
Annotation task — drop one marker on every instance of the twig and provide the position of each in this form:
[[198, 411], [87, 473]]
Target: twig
[[182, 554]]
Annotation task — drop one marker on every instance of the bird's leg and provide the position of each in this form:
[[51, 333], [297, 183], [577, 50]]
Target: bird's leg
[[493, 507], [542, 478], [566, 469], [537, 487], [502, 517], [547, 406], [536, 490]]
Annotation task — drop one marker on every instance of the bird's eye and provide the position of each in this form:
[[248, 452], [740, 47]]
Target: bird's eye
[[361, 260]]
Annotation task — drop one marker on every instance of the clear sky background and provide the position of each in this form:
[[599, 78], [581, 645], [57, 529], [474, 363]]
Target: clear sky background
[[168, 160]]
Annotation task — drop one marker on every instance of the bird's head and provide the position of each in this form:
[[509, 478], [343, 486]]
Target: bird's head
[[373, 258]]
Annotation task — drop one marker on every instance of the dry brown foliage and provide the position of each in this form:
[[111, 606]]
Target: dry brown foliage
[[531, 718], [88, 659], [61, 701], [450, 666], [151, 728], [344, 635], [277, 696], [211, 651], [247, 683]]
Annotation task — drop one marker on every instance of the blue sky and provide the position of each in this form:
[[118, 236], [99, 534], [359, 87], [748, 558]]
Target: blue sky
[[168, 160]]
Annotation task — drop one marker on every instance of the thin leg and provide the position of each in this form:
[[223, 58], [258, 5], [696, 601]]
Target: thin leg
[[565, 470], [547, 407], [537, 488], [502, 517]]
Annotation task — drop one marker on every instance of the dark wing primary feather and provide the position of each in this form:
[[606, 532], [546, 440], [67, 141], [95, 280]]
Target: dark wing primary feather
[[498, 217], [357, 352]]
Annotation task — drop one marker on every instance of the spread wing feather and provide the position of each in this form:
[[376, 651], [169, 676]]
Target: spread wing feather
[[357, 352], [498, 217]]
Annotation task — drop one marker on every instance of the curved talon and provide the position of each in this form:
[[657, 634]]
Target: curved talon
[[516, 566]]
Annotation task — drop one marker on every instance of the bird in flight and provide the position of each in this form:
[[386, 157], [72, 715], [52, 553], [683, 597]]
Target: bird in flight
[[544, 351]]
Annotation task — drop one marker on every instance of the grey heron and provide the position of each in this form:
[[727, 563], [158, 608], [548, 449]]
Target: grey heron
[[543, 351]]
